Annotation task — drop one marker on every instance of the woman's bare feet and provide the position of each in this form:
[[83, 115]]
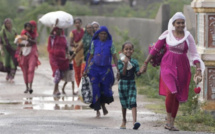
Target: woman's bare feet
[[104, 109], [11, 80], [56, 90], [98, 114], [56, 93], [105, 112]]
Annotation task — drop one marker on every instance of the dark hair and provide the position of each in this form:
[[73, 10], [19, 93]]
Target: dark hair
[[27, 24], [89, 24], [78, 19], [127, 42]]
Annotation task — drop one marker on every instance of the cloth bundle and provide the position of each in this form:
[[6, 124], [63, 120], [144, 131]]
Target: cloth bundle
[[65, 20]]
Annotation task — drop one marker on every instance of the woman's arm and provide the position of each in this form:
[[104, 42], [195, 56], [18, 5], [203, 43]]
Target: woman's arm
[[32, 41], [72, 42], [116, 63], [194, 56], [1, 47], [115, 60], [158, 46], [79, 47], [88, 62], [143, 69]]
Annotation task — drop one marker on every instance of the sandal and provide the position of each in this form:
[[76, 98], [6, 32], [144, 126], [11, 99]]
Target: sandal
[[167, 126], [136, 125], [123, 127], [173, 129], [31, 91]]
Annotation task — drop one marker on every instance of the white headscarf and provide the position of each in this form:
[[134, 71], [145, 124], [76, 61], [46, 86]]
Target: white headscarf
[[94, 22], [170, 39]]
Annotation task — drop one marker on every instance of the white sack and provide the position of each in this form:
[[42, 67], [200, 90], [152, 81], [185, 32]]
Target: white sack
[[49, 19]]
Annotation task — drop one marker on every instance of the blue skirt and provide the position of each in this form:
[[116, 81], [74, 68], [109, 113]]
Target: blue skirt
[[102, 79]]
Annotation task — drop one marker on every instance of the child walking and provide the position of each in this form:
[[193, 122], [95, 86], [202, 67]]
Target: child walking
[[127, 87], [69, 75]]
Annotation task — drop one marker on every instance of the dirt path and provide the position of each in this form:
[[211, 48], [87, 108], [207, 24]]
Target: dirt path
[[41, 112]]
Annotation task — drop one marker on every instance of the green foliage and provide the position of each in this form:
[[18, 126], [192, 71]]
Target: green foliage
[[138, 54], [191, 106], [8, 9], [127, 11], [200, 121], [180, 5], [149, 11], [150, 82]]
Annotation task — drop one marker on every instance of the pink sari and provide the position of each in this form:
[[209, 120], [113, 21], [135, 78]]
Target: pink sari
[[175, 74], [30, 62]]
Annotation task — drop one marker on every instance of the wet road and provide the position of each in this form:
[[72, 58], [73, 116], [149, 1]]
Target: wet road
[[41, 112]]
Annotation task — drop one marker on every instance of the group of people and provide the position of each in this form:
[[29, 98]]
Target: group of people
[[90, 53]]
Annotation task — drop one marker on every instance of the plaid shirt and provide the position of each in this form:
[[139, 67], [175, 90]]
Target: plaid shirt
[[127, 88]]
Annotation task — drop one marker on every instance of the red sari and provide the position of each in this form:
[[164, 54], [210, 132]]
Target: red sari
[[29, 62], [57, 53]]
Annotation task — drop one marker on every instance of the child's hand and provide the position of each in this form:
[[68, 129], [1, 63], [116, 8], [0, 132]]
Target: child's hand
[[118, 75], [143, 69], [139, 73]]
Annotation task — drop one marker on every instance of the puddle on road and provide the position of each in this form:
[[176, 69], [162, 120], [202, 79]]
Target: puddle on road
[[37, 103], [10, 102], [47, 106], [61, 99], [46, 103]]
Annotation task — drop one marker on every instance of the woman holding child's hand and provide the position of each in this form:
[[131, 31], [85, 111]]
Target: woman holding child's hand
[[175, 74]]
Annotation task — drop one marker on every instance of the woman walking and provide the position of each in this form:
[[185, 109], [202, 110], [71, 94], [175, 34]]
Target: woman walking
[[88, 35], [95, 25], [85, 45], [76, 40], [175, 71], [8, 50], [57, 46], [29, 62], [100, 70]]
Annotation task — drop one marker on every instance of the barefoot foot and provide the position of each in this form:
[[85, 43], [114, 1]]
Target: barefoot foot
[[98, 114]]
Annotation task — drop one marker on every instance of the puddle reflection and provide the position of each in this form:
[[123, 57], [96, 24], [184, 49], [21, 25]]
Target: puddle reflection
[[64, 98], [10, 102], [30, 104]]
